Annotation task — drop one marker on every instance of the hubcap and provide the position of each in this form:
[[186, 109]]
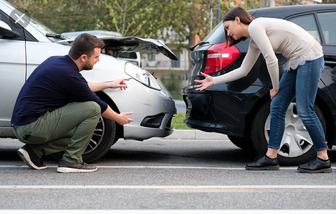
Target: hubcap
[[97, 136], [296, 140]]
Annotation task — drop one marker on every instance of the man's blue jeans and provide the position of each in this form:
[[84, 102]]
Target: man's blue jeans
[[303, 84]]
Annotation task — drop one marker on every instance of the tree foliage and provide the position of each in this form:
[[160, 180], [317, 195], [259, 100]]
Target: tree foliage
[[64, 15], [175, 21], [165, 19]]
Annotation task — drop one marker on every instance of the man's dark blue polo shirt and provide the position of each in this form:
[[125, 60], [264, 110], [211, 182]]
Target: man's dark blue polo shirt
[[53, 84]]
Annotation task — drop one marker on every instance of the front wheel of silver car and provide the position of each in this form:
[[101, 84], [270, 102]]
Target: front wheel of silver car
[[296, 145], [104, 136]]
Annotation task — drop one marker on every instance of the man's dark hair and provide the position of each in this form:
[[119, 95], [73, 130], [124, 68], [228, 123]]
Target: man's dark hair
[[85, 44], [244, 17]]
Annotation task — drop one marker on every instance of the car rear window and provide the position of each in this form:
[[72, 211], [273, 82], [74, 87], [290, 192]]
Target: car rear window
[[216, 35], [327, 21]]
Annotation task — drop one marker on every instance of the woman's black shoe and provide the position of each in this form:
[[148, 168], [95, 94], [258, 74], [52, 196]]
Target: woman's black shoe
[[263, 163], [316, 165]]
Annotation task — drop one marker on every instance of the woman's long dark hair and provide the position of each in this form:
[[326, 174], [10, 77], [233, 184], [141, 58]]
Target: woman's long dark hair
[[244, 17]]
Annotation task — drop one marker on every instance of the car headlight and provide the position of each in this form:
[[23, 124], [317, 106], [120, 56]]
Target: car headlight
[[142, 76]]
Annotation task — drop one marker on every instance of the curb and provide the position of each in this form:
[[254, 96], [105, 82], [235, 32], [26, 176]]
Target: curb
[[196, 135]]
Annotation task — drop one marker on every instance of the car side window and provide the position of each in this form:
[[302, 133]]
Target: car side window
[[308, 23], [327, 22], [14, 26]]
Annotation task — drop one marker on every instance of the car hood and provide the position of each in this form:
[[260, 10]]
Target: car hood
[[124, 44]]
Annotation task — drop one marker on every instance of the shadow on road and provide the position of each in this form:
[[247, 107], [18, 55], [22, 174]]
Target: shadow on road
[[177, 155], [163, 153]]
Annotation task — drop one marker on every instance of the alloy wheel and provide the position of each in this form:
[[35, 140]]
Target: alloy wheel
[[296, 140], [97, 136]]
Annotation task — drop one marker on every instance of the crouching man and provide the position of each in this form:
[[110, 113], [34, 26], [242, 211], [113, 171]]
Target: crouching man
[[57, 110]]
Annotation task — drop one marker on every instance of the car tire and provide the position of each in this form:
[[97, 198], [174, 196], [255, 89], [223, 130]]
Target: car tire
[[289, 152], [104, 136], [245, 143]]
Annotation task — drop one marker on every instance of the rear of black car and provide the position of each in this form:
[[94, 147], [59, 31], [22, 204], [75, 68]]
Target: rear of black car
[[223, 107], [240, 108]]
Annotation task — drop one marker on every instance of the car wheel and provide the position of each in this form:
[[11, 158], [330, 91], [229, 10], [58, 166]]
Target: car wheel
[[104, 136], [296, 146], [245, 143]]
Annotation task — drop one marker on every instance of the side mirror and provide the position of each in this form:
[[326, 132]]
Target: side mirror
[[6, 31]]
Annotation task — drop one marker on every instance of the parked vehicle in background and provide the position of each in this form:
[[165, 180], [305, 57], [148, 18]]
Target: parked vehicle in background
[[240, 108], [112, 46], [25, 43]]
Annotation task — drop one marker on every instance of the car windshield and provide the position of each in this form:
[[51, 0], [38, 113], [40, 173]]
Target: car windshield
[[40, 27], [18, 16]]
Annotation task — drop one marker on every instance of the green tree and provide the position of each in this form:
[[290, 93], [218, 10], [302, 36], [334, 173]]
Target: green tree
[[171, 20], [64, 15]]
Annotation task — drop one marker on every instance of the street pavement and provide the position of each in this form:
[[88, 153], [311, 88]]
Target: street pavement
[[187, 170]]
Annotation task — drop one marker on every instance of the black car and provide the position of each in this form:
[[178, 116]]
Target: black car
[[240, 109]]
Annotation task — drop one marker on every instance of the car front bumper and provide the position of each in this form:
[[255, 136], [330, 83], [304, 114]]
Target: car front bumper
[[156, 124]]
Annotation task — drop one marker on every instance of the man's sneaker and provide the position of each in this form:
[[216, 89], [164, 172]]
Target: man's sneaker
[[31, 158], [316, 165], [73, 167]]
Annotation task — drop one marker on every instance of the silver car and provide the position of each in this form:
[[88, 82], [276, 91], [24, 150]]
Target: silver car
[[25, 43]]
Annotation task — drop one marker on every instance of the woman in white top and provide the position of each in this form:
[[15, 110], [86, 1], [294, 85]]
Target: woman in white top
[[300, 79]]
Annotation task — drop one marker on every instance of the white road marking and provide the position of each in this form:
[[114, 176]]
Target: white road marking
[[169, 211], [156, 167], [174, 187]]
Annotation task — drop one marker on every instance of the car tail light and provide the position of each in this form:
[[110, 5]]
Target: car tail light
[[219, 56]]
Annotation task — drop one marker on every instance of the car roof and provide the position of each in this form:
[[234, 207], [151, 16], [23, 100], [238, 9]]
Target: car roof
[[285, 11]]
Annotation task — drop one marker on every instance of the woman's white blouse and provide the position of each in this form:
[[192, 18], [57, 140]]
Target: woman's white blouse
[[270, 36]]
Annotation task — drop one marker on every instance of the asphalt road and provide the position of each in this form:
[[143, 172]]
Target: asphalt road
[[163, 174]]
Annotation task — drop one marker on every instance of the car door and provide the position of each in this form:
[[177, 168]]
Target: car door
[[12, 68], [327, 22], [309, 22]]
